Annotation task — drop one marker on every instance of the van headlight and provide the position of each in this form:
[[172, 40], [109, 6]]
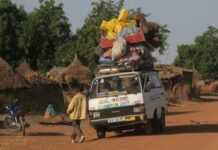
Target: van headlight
[[139, 109], [96, 115]]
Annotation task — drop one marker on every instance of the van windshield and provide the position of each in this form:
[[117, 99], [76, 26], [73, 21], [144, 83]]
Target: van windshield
[[115, 85]]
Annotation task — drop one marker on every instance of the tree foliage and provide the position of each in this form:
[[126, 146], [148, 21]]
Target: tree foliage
[[46, 30], [202, 55], [12, 18]]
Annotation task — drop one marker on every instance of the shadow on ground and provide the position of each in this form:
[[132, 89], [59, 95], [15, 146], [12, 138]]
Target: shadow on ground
[[177, 129], [1, 124], [33, 134], [13, 132], [180, 113], [45, 134], [189, 129], [56, 123]]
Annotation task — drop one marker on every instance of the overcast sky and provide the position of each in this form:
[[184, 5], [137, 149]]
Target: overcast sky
[[185, 18]]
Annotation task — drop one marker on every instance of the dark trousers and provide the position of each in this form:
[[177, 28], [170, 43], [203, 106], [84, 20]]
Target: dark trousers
[[77, 132]]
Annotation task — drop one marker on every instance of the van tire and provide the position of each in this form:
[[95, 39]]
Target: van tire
[[163, 121], [101, 133], [156, 124], [148, 128]]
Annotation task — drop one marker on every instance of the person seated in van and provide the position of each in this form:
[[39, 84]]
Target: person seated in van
[[107, 87], [130, 85]]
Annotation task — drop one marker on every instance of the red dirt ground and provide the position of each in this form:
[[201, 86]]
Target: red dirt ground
[[190, 126]]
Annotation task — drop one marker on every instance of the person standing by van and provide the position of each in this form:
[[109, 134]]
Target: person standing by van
[[77, 112]]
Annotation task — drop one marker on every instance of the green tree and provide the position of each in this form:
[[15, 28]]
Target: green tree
[[46, 30], [202, 54], [185, 56], [64, 54], [12, 18]]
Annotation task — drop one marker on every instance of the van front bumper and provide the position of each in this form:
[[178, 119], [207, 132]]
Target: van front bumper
[[120, 123]]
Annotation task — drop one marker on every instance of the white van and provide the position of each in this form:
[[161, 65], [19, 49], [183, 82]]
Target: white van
[[127, 100]]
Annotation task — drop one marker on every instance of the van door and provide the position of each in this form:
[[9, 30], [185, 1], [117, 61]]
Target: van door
[[155, 93]]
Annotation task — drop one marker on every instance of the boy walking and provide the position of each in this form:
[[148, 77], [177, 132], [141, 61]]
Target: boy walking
[[77, 112]]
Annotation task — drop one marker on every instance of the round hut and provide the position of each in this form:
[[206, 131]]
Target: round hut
[[10, 82], [76, 71], [33, 77], [74, 74], [55, 74], [10, 79]]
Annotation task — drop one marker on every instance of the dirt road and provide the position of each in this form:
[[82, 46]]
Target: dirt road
[[191, 126]]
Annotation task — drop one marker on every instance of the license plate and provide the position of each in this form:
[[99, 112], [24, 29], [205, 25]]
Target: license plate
[[114, 120], [121, 119]]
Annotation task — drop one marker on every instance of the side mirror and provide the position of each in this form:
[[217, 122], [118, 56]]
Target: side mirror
[[91, 93], [88, 92]]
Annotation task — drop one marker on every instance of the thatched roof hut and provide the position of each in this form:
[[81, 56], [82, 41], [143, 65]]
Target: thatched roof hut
[[76, 71], [10, 79], [56, 74], [169, 71], [33, 77], [177, 81]]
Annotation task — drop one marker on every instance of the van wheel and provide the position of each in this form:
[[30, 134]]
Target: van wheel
[[156, 125], [101, 133], [163, 121]]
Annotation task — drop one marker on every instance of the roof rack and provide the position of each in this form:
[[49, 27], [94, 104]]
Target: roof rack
[[112, 68]]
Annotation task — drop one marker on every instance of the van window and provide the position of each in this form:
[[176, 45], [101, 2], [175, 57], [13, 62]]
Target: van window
[[155, 82], [116, 85], [146, 83]]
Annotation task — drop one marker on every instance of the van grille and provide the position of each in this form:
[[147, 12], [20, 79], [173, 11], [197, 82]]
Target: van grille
[[115, 112]]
